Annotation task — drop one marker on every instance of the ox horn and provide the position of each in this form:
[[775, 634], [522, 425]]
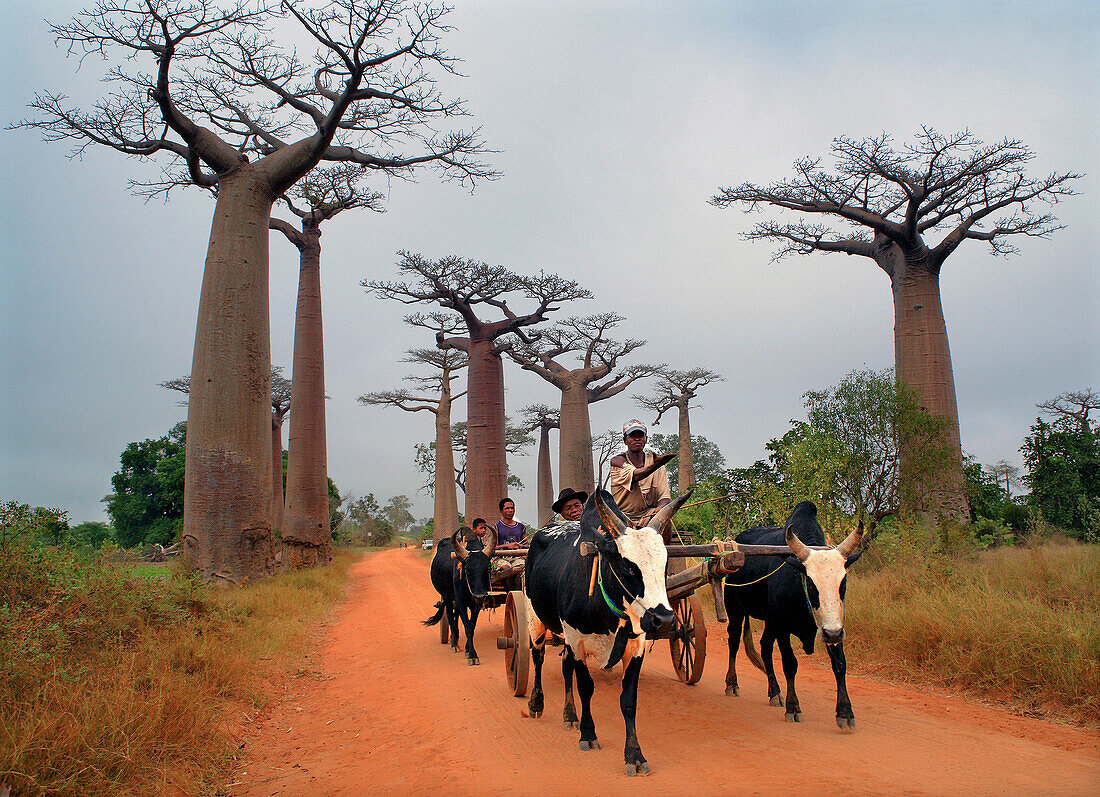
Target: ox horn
[[459, 546], [798, 548], [611, 522], [666, 512], [848, 546], [491, 547]]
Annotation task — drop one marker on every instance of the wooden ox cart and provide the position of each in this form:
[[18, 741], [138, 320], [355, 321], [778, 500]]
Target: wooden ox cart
[[687, 642]]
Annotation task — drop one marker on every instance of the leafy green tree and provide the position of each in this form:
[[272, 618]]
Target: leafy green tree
[[369, 520], [708, 460], [397, 512], [1063, 471], [21, 525], [147, 503], [92, 533]]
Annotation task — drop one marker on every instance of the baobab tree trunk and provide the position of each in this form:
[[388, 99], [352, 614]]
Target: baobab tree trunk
[[446, 492], [227, 517], [922, 360], [575, 439], [276, 471], [486, 459], [545, 478], [685, 463], [307, 538]]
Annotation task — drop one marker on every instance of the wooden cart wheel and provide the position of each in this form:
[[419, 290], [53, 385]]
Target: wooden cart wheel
[[444, 630], [516, 646], [689, 644]]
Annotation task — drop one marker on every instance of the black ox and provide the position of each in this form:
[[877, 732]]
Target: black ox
[[794, 596], [462, 581], [607, 622]]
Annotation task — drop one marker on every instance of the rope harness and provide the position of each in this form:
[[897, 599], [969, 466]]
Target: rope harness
[[802, 577], [606, 598]]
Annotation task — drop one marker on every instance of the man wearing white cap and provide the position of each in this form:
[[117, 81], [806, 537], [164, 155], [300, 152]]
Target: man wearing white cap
[[639, 482]]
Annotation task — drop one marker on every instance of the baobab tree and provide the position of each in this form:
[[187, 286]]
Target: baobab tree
[[1075, 404], [280, 406], [464, 286], [543, 418], [599, 356], [321, 195], [434, 394], [889, 202], [677, 389], [240, 112]]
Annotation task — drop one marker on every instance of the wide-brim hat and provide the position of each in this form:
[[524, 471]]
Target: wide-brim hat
[[568, 494]]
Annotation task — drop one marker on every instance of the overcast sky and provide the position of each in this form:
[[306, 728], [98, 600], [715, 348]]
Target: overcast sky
[[615, 122]]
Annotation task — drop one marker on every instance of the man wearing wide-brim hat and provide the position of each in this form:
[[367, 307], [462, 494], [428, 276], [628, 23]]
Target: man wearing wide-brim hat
[[570, 503], [639, 481]]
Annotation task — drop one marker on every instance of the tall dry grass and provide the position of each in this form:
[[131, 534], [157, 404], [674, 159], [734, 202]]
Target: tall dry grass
[[1017, 625], [113, 683]]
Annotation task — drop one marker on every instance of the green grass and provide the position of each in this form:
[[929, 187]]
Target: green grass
[[143, 570]]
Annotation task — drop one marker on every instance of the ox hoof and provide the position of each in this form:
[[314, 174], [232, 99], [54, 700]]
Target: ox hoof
[[592, 745], [536, 714], [472, 660], [846, 724], [794, 716], [571, 726], [454, 648], [731, 691], [637, 769], [776, 700]]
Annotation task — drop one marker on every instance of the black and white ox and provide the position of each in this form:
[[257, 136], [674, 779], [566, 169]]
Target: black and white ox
[[795, 596], [604, 615], [462, 581]]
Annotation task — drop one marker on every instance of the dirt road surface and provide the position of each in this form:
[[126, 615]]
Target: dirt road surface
[[384, 708]]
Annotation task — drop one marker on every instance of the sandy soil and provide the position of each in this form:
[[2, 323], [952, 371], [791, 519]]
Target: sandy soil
[[384, 708]]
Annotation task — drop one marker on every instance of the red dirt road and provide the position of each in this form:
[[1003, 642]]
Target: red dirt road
[[389, 710]]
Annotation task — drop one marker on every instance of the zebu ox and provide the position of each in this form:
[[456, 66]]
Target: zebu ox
[[607, 623], [794, 596], [462, 582]]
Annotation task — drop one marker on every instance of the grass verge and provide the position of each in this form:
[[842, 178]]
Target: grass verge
[[114, 682], [1020, 626]]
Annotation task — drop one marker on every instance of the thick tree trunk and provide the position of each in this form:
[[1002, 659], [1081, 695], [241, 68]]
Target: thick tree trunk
[[486, 459], [446, 492], [545, 486], [307, 538], [276, 471], [685, 463], [922, 360], [227, 516], [575, 439]]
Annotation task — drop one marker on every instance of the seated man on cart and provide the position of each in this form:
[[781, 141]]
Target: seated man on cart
[[639, 481]]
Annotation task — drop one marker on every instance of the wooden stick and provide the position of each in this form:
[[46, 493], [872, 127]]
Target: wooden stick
[[592, 581]]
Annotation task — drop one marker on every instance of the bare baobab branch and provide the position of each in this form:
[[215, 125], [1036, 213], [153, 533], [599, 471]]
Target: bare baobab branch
[[1076, 404]]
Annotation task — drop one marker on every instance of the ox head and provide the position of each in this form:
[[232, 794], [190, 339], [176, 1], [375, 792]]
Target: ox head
[[637, 558], [825, 575], [474, 564]]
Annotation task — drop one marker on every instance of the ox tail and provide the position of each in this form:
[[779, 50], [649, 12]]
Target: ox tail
[[750, 647], [438, 615]]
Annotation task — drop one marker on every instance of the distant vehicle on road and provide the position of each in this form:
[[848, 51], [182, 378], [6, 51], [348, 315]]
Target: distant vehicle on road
[[426, 545]]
